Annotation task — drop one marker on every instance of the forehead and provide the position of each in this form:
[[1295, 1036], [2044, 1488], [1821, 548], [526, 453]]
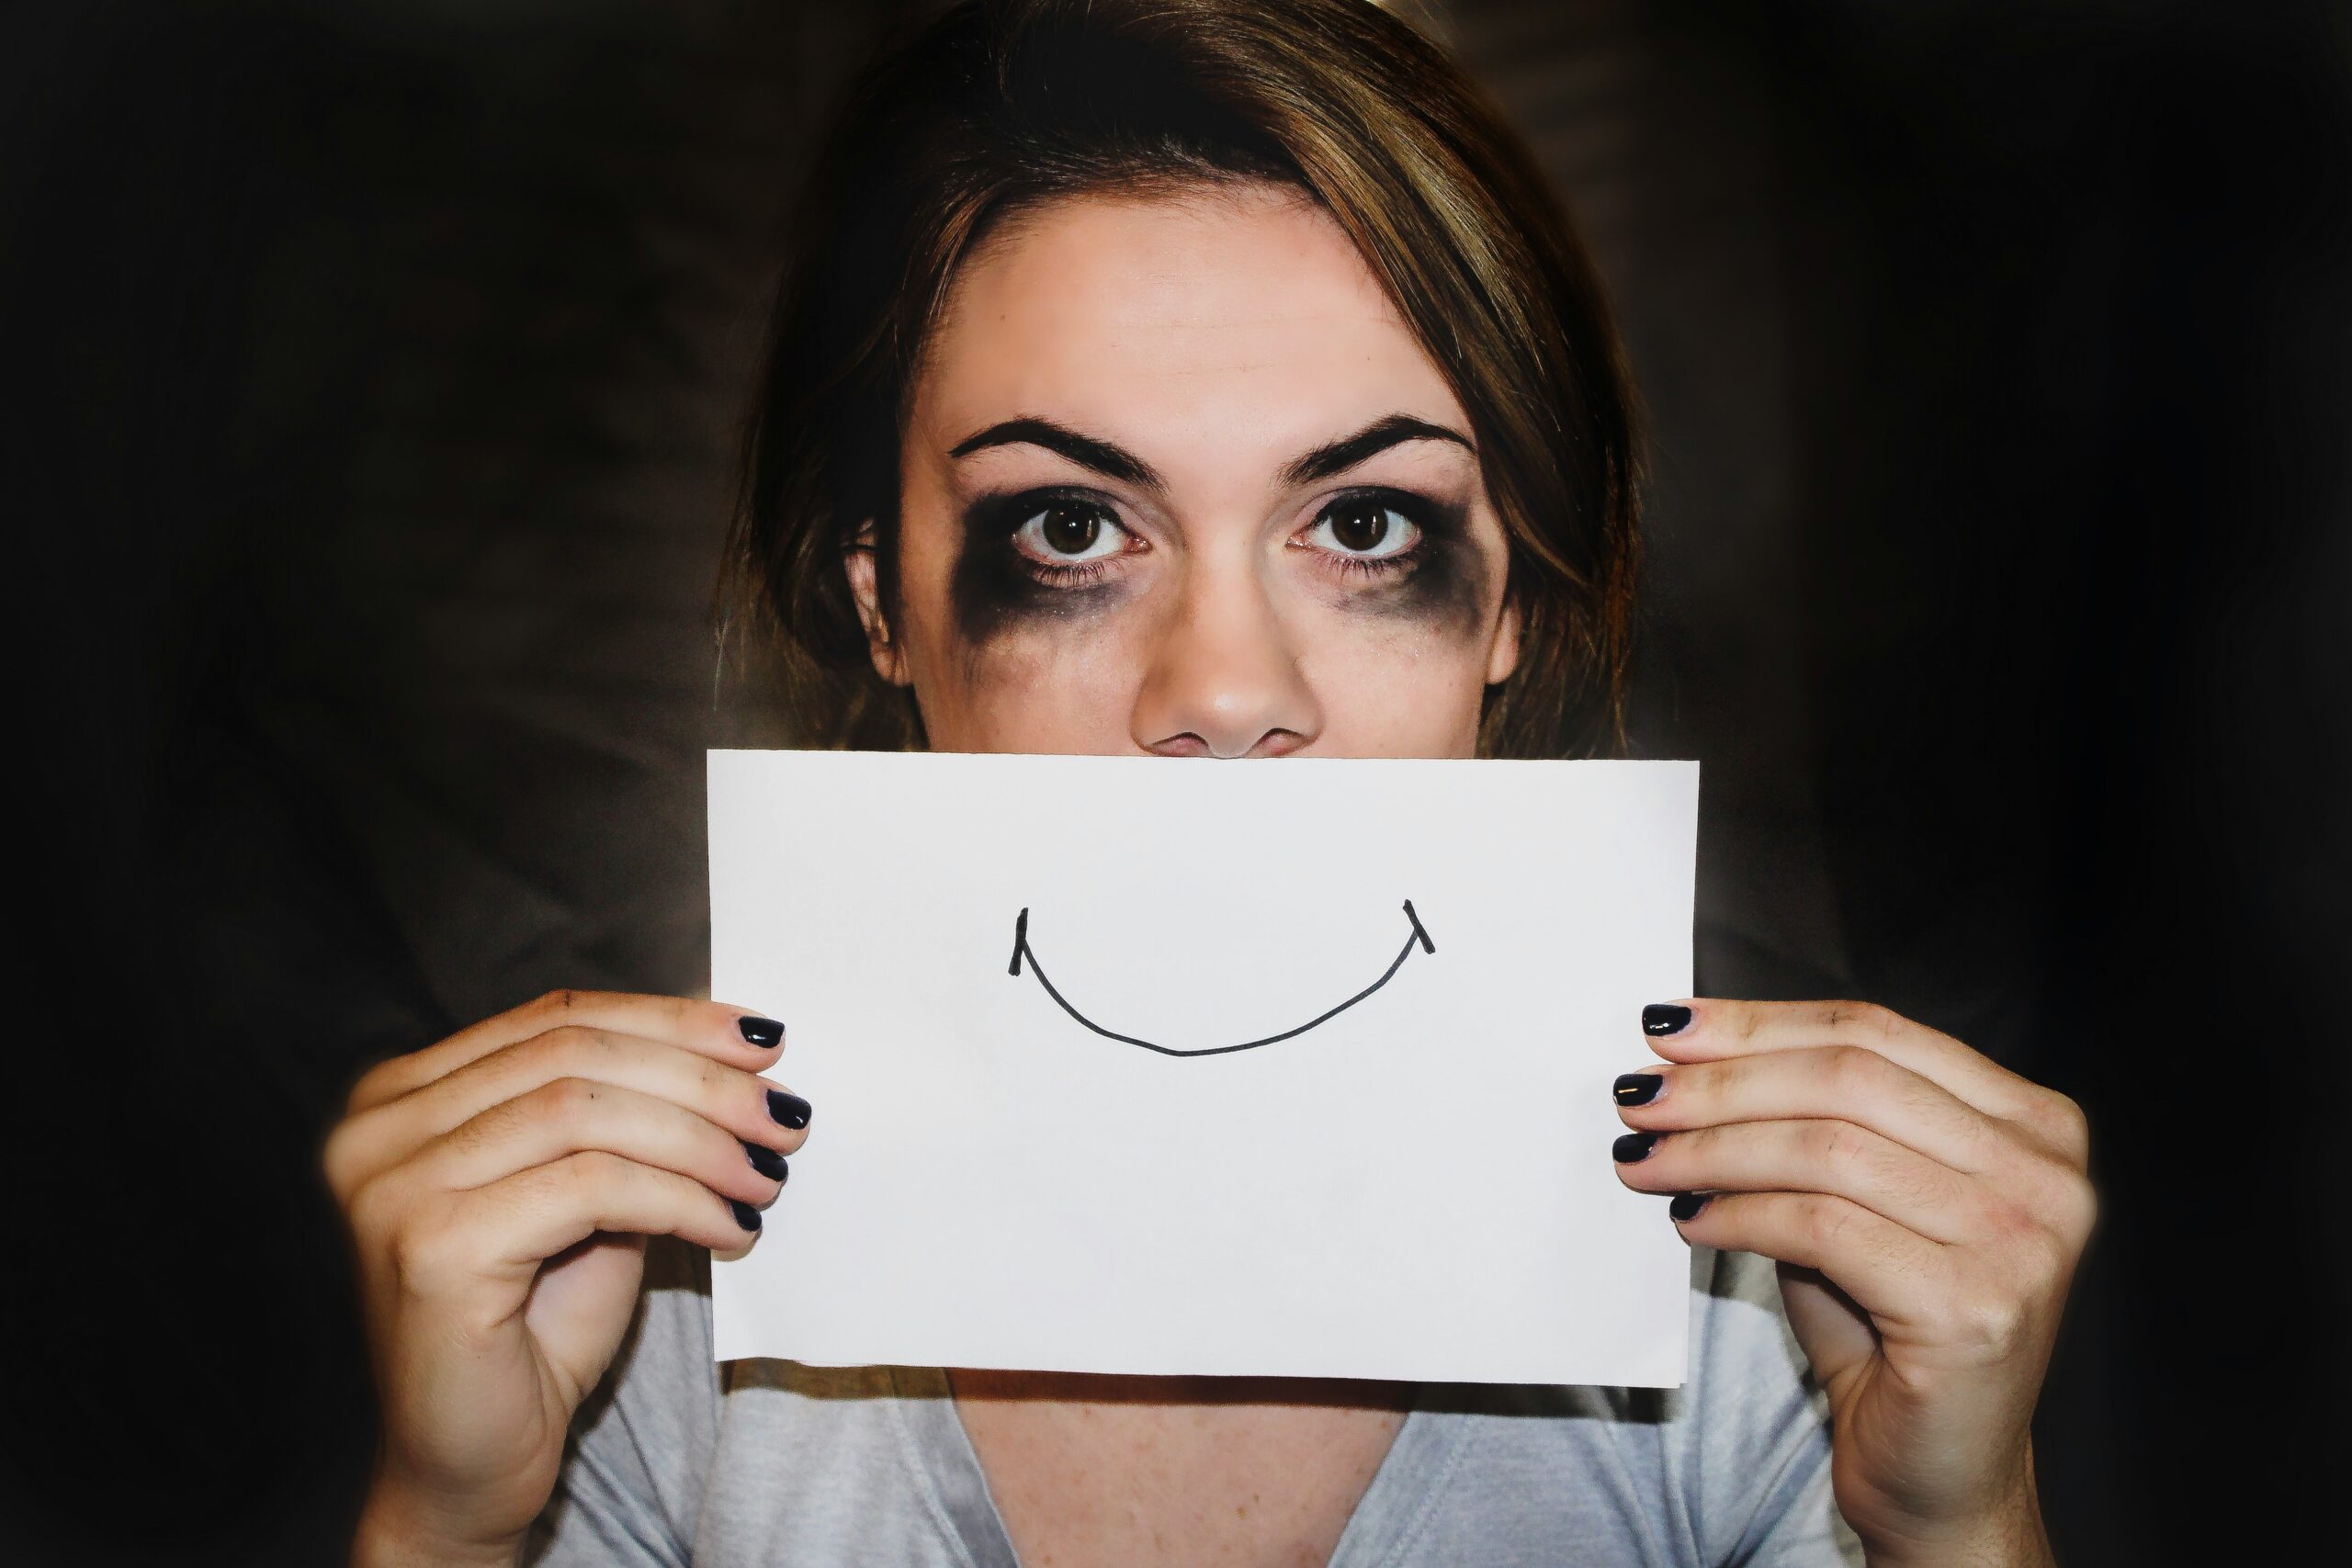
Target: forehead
[[1226, 321]]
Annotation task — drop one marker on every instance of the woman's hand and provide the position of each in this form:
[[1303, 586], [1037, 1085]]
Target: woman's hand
[[1926, 1207], [499, 1188]]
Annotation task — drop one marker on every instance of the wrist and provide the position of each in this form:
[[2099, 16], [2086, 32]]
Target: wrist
[[2008, 1533], [398, 1530]]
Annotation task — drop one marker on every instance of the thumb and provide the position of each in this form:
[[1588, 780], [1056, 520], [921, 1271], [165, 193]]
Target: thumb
[[1835, 1336], [581, 1305]]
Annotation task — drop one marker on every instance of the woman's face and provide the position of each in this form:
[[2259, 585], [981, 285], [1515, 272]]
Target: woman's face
[[1178, 479]]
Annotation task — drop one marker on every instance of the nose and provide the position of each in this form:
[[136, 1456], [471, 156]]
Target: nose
[[1223, 679]]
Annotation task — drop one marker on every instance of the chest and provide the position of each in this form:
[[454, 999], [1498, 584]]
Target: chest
[[1105, 1472]]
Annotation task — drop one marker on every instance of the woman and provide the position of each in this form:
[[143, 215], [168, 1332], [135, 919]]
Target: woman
[[1197, 379]]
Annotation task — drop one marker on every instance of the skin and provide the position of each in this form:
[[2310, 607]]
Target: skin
[[1927, 1205]]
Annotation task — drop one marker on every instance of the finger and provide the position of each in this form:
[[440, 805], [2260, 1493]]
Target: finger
[[513, 1226], [1895, 1274], [1823, 1155], [1719, 1027], [753, 1107], [573, 1115], [1848, 1082], [718, 1030]]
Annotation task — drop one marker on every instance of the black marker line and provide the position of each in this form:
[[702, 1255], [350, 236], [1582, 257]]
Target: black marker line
[[1020, 948]]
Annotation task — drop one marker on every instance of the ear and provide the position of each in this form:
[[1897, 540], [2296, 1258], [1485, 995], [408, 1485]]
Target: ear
[[1502, 656], [889, 660]]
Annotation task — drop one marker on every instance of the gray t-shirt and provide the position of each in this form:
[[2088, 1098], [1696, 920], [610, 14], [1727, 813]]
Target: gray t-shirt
[[677, 1459]]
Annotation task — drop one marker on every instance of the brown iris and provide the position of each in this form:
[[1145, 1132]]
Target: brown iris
[[1361, 525], [1069, 530]]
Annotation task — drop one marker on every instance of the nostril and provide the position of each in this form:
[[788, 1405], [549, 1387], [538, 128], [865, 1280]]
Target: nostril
[[1277, 743], [1273, 743]]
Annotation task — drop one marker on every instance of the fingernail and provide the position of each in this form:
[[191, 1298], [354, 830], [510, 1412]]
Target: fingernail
[[1637, 1088], [1665, 1018], [745, 1215], [1632, 1146], [767, 1162], [1685, 1205], [788, 1108], [760, 1031]]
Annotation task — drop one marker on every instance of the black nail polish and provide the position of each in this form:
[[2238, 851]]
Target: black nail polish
[[767, 1162], [788, 1108], [1632, 1146], [745, 1215], [1637, 1088], [1685, 1205], [1665, 1018], [760, 1031]]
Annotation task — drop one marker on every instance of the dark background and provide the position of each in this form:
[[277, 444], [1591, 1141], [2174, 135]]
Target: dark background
[[370, 374]]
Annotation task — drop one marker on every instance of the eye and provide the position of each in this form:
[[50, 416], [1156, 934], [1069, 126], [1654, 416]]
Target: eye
[[1364, 527], [1068, 533]]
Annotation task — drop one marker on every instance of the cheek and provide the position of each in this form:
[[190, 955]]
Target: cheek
[[1402, 672], [995, 658], [1062, 680], [1395, 694]]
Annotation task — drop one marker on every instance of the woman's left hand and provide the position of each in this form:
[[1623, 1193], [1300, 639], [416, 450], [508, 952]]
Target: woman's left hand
[[1926, 1207]]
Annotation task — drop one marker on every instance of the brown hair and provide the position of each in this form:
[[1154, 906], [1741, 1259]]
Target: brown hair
[[994, 107]]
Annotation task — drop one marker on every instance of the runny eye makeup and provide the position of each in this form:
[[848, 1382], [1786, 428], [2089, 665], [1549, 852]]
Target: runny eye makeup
[[1041, 554], [1052, 552]]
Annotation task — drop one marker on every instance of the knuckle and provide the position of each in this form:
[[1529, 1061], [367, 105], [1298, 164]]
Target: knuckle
[[2067, 1209], [2082, 1211], [423, 1253], [553, 1009], [1862, 1018], [567, 1101], [1851, 1069], [1823, 1220], [339, 1161], [375, 1086], [2064, 1123], [556, 1003], [566, 1044], [593, 1174], [1838, 1145], [1991, 1322], [2056, 1194], [373, 1212]]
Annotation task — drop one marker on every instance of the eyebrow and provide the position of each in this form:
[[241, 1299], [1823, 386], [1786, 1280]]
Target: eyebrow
[[1117, 463], [1339, 457], [1102, 457]]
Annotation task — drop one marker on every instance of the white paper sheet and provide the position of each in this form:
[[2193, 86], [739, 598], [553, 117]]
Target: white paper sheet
[[1417, 1186]]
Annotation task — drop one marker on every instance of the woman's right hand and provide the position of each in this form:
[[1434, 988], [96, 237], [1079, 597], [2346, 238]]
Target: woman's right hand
[[499, 1186]]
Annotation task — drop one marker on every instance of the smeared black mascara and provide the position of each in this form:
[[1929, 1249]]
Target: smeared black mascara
[[994, 590]]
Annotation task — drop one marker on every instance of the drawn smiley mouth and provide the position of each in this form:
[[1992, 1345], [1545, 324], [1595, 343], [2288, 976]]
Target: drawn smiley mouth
[[1020, 950]]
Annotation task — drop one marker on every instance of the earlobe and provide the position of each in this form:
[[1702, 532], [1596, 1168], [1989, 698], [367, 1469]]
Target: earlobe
[[1502, 656], [857, 560]]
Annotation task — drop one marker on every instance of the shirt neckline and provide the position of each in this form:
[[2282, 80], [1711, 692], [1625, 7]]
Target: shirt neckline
[[1419, 1461]]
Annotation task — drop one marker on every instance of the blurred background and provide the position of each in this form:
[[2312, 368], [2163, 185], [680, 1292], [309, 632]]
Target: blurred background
[[372, 375]]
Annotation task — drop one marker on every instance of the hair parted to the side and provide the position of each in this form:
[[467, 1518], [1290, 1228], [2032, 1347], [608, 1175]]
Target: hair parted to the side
[[994, 107]]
